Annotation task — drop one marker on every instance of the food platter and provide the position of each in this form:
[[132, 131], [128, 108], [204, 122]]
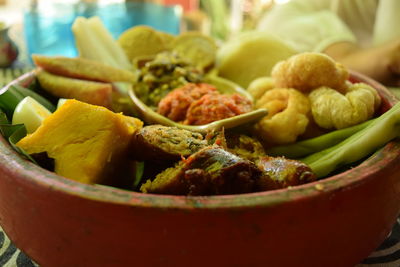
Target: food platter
[[142, 150], [68, 217]]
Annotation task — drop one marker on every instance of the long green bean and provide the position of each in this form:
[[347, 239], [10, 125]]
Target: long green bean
[[313, 145], [359, 145]]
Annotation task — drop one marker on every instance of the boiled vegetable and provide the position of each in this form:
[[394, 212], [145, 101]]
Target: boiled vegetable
[[95, 42], [88, 143], [359, 145], [14, 94], [30, 113], [313, 145]]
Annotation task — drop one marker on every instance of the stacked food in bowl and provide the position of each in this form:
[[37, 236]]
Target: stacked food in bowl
[[146, 130]]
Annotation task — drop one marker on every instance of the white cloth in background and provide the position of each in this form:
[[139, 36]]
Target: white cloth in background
[[314, 25]]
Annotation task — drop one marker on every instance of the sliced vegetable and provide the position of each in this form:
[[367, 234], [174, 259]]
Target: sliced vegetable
[[61, 102], [13, 133], [359, 145], [30, 113], [139, 170], [93, 41], [313, 145], [15, 94]]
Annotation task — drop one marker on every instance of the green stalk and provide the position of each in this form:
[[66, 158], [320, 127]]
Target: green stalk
[[313, 145], [359, 145]]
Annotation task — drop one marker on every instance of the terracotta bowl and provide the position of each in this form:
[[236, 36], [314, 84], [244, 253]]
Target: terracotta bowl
[[337, 221]]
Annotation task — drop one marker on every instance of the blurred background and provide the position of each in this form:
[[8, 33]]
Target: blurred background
[[43, 26]]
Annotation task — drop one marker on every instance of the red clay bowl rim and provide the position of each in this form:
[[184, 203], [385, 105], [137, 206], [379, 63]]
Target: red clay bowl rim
[[20, 168]]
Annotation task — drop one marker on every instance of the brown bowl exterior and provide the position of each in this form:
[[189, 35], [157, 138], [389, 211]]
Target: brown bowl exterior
[[337, 221]]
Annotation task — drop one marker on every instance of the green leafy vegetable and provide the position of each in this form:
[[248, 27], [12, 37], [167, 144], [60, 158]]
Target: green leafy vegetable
[[359, 145], [313, 145], [27, 92], [15, 94], [138, 173], [13, 133]]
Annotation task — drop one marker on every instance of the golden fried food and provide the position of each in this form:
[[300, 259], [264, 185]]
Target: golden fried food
[[95, 93], [167, 39], [259, 86], [198, 49], [82, 68], [141, 41], [307, 71], [287, 115], [333, 110]]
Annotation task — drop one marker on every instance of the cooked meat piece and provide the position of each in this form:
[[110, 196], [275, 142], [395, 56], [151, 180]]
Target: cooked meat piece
[[177, 102], [163, 143], [213, 107], [279, 172], [244, 146], [210, 171]]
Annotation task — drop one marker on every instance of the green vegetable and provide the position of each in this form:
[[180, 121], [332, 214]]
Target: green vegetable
[[13, 133], [359, 145], [15, 94], [313, 145], [9, 99], [138, 173]]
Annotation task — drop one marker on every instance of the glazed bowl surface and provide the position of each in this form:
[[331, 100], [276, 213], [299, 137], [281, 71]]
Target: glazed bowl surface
[[337, 221]]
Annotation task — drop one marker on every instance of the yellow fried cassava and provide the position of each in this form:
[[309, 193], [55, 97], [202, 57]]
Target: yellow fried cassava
[[87, 142], [95, 93], [82, 68]]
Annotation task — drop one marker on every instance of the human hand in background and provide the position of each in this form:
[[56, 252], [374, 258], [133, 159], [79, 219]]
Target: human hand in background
[[381, 63]]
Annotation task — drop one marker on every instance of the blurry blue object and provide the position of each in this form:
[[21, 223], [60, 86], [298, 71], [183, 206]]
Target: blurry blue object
[[48, 28]]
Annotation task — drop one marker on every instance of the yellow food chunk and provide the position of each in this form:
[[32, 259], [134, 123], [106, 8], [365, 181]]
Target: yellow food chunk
[[307, 71], [333, 110], [287, 115], [87, 142]]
